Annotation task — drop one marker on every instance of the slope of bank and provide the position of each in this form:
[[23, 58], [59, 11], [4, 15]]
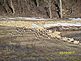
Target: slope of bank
[[28, 8]]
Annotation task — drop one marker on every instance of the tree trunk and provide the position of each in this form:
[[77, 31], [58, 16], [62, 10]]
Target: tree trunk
[[8, 3], [60, 6], [37, 2], [50, 11]]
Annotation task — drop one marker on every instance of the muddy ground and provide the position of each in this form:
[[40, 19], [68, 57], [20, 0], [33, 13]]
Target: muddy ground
[[23, 44]]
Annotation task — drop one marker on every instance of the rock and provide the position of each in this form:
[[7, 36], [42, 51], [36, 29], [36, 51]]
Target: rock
[[49, 31], [76, 42], [71, 39], [67, 39], [58, 36], [54, 34], [64, 38]]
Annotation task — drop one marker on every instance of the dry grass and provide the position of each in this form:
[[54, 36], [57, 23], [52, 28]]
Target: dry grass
[[28, 24], [16, 23]]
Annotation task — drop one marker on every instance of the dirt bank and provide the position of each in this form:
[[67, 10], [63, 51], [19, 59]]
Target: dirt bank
[[28, 8]]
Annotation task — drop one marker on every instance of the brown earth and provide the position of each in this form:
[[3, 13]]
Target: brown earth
[[31, 45]]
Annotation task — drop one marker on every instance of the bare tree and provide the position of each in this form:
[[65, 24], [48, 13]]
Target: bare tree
[[50, 11], [11, 6], [49, 7], [60, 6], [8, 3], [37, 3]]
